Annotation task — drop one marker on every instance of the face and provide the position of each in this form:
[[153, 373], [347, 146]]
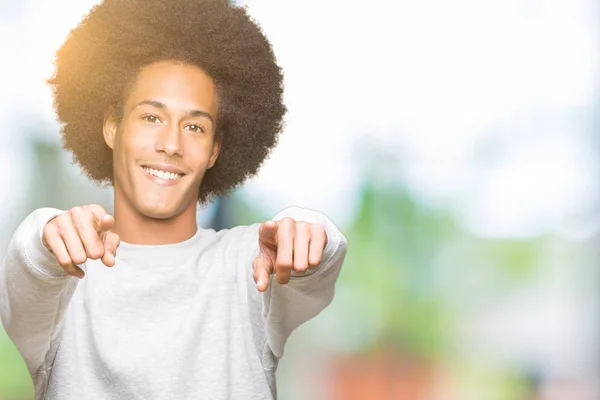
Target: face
[[165, 141]]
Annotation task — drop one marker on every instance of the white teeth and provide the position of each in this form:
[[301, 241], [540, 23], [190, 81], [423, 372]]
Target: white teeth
[[162, 174]]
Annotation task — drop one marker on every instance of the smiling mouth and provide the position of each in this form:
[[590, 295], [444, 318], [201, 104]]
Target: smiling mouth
[[169, 176]]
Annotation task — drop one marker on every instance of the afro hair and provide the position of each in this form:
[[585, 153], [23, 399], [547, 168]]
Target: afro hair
[[105, 52]]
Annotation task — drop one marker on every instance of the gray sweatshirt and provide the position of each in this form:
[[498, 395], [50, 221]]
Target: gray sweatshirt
[[180, 321]]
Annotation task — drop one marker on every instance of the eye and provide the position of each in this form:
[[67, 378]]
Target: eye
[[151, 118], [195, 128]]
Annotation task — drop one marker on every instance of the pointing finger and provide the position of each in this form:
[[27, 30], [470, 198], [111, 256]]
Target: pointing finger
[[97, 210], [262, 270], [111, 243], [106, 223], [285, 250], [267, 233]]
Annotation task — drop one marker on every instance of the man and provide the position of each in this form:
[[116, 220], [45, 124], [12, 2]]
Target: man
[[171, 102]]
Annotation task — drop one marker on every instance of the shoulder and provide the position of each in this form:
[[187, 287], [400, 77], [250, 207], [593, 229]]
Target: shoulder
[[239, 241], [237, 235]]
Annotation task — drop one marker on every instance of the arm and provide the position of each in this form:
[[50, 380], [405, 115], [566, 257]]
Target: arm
[[34, 290], [36, 276], [287, 306]]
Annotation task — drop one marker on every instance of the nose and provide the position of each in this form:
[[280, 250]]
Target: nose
[[169, 141]]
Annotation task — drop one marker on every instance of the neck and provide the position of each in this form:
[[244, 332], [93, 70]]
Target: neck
[[135, 228]]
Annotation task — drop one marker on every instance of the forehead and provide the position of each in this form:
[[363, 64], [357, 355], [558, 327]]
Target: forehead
[[178, 85]]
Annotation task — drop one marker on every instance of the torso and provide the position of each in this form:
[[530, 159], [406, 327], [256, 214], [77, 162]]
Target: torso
[[181, 329]]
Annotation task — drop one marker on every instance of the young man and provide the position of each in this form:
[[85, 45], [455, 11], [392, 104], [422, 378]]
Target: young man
[[171, 102]]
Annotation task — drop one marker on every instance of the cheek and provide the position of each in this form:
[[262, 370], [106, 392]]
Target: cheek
[[199, 154], [135, 139]]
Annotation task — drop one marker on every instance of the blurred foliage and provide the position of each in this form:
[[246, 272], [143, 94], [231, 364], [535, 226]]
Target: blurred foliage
[[15, 382], [57, 184], [392, 244], [407, 260], [516, 258]]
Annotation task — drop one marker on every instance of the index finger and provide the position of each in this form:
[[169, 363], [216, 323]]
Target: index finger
[[111, 243], [105, 223], [97, 210], [267, 232]]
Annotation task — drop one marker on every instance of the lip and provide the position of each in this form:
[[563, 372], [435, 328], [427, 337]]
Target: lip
[[165, 167]]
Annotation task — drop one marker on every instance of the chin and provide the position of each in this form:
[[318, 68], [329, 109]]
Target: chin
[[159, 211], [160, 215]]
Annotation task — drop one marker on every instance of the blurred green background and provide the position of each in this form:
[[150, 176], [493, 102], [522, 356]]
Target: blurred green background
[[455, 144]]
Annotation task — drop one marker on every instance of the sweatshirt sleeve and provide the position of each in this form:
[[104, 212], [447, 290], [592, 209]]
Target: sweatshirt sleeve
[[286, 307], [34, 290]]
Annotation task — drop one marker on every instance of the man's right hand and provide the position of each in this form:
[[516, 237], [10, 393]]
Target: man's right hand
[[79, 234]]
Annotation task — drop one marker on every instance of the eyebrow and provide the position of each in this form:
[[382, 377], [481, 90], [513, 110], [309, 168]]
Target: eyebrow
[[162, 106]]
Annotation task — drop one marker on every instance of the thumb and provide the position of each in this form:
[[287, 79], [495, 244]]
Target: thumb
[[267, 234]]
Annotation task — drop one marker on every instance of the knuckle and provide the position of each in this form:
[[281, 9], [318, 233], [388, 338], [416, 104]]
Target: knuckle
[[287, 223], [75, 211], [113, 239], [301, 267], [96, 209], [314, 261], [318, 230], [95, 254], [62, 221], [284, 263], [50, 230], [304, 228], [78, 259], [85, 214]]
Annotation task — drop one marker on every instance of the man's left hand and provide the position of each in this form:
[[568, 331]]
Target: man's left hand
[[285, 246]]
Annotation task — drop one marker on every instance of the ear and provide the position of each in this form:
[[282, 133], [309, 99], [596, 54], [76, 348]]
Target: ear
[[109, 129], [215, 153]]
